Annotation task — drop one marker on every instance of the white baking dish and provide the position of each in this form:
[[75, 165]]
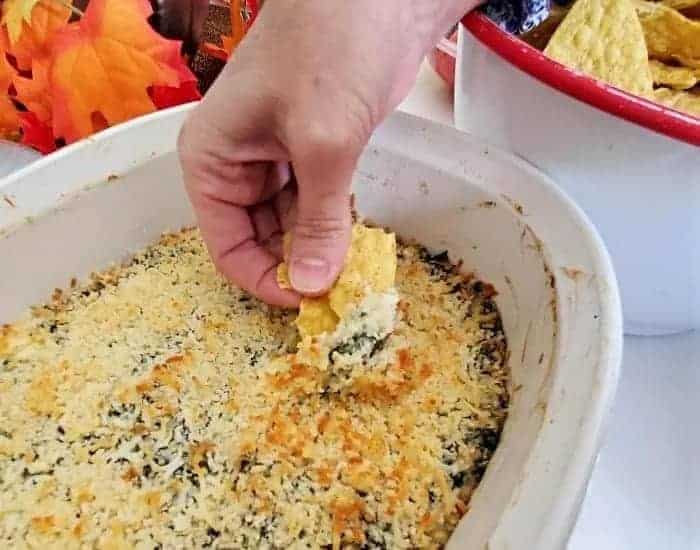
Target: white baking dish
[[633, 166], [97, 201], [14, 156]]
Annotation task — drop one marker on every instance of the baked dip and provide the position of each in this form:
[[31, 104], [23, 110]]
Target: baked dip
[[156, 406]]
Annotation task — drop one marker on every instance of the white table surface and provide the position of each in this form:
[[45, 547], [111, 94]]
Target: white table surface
[[645, 489]]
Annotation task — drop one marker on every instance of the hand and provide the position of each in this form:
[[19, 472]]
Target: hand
[[306, 88]]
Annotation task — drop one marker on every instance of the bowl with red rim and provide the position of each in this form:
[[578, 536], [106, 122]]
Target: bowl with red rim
[[443, 59], [633, 165]]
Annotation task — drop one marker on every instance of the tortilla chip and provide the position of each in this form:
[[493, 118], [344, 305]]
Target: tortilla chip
[[669, 34], [369, 266], [686, 102], [603, 38], [678, 78], [283, 270], [316, 317]]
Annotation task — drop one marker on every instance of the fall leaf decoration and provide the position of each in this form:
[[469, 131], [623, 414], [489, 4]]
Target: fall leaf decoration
[[105, 64], [9, 120], [170, 96], [36, 133], [33, 40], [65, 74], [34, 91], [243, 13]]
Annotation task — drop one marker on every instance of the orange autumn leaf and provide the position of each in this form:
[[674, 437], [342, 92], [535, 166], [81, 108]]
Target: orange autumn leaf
[[9, 119], [105, 63], [34, 92], [36, 37]]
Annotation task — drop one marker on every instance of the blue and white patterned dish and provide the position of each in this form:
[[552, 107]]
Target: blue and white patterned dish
[[518, 16]]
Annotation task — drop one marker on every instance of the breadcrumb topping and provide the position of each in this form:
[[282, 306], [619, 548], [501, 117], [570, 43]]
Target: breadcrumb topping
[[158, 407]]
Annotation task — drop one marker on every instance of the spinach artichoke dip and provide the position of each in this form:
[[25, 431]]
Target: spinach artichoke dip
[[158, 407]]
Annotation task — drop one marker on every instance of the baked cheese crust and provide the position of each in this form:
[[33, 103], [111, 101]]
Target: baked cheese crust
[[158, 407]]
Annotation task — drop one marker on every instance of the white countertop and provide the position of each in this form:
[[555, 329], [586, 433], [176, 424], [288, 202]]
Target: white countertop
[[645, 490]]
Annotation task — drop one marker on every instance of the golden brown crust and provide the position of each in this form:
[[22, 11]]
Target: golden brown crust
[[143, 409]]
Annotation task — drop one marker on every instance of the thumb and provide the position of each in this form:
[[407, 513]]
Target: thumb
[[321, 234]]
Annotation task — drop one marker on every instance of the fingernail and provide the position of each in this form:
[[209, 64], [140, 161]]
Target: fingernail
[[309, 274]]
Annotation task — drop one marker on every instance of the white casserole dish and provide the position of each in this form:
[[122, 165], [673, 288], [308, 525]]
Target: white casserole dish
[[633, 166], [95, 202], [14, 156]]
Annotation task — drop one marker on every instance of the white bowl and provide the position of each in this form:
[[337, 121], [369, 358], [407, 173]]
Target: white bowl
[[632, 165], [14, 156], [97, 201]]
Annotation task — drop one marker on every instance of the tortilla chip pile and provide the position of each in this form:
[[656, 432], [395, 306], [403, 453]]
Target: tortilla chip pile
[[648, 48]]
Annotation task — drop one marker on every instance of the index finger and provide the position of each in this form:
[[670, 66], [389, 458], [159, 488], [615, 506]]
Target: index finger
[[229, 234]]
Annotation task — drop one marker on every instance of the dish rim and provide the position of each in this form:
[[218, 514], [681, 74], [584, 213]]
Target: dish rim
[[609, 99]]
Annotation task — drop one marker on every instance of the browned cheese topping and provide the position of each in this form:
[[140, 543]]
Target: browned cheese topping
[[147, 409]]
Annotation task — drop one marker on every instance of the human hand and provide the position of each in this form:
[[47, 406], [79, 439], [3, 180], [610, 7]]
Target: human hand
[[306, 88]]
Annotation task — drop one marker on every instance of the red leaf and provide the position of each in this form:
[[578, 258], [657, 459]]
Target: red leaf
[[170, 96], [37, 134]]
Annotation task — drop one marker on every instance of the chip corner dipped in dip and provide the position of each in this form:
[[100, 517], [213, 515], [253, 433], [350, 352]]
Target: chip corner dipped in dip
[[359, 311]]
